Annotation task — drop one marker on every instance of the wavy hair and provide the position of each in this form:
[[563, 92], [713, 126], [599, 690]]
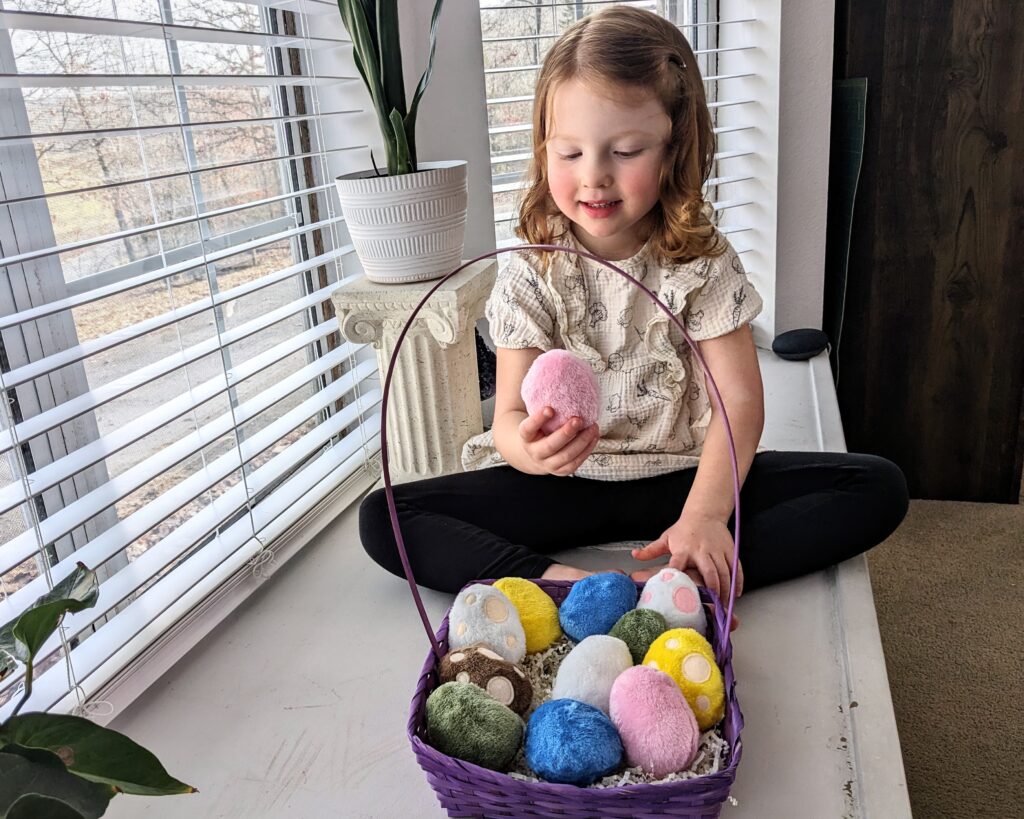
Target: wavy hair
[[623, 51]]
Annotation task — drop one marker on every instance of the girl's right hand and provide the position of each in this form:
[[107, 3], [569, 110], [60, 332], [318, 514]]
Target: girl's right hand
[[562, 451]]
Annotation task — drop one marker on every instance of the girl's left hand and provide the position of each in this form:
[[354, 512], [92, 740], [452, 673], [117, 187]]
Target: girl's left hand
[[701, 545]]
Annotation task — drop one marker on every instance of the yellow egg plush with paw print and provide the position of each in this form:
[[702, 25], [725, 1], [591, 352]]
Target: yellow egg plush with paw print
[[537, 611], [687, 658]]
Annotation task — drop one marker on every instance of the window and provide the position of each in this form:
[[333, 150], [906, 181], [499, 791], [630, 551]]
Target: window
[[177, 392]]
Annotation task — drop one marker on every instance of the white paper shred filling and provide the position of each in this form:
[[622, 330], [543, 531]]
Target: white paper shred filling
[[541, 668]]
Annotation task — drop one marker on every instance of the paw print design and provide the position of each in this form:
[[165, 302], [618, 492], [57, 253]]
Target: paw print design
[[674, 596], [483, 615], [687, 658], [477, 664]]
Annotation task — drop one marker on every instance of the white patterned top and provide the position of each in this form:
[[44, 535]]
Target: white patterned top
[[654, 413]]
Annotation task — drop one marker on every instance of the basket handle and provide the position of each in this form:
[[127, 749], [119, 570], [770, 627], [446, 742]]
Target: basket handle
[[723, 630]]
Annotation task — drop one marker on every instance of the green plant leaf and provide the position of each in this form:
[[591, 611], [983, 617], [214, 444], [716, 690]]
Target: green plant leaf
[[410, 120], [389, 47], [23, 636], [36, 785], [364, 46], [93, 752], [401, 157]]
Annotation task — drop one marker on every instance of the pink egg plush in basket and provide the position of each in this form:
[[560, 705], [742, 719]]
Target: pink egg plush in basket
[[560, 380]]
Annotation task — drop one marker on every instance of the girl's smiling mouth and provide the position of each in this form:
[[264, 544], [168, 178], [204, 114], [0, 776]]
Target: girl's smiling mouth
[[601, 208]]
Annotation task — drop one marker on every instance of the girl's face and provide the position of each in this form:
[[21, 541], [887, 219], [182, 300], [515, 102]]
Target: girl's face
[[604, 160]]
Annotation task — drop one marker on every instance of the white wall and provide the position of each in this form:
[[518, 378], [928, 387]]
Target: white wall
[[805, 110], [792, 110], [452, 120]]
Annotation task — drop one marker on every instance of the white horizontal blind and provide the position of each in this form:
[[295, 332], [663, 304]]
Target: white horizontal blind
[[517, 35], [177, 393]]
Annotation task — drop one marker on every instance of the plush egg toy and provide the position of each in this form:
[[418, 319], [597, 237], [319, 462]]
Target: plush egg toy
[[687, 658], [588, 671], [507, 683], [537, 611], [595, 603], [658, 730], [560, 380], [572, 743], [674, 596], [482, 614], [638, 628], [465, 722]]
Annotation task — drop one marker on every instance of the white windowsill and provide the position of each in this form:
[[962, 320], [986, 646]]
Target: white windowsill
[[296, 705]]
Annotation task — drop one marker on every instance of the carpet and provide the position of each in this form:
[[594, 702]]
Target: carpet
[[947, 588]]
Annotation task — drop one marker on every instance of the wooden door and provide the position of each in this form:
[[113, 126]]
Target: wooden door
[[931, 359]]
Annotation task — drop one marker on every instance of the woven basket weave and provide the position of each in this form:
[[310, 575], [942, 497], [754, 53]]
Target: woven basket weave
[[465, 789]]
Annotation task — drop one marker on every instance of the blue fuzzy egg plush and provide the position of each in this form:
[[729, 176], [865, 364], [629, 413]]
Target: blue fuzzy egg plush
[[571, 743], [595, 604]]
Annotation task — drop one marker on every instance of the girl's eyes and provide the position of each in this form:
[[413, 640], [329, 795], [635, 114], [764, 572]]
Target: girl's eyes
[[620, 154]]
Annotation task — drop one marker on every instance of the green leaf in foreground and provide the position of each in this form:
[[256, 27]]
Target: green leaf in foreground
[[35, 785], [21, 638], [93, 752]]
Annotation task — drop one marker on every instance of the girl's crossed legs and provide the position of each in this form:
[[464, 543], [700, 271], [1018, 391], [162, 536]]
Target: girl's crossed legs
[[802, 511]]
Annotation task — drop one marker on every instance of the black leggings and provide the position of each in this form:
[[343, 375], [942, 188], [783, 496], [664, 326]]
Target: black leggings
[[802, 511]]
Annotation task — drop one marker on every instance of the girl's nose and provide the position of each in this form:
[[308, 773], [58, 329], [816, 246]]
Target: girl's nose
[[596, 175]]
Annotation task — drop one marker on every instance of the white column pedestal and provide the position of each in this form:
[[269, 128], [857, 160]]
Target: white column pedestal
[[434, 404]]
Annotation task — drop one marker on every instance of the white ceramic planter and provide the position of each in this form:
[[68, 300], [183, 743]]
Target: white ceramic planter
[[407, 228]]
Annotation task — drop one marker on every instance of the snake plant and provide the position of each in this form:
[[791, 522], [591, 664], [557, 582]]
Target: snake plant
[[373, 27]]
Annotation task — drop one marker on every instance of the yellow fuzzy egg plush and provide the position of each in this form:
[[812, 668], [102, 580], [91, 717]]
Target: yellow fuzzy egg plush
[[537, 612], [687, 658]]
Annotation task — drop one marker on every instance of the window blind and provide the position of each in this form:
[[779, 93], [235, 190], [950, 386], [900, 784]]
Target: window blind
[[177, 394], [517, 35]]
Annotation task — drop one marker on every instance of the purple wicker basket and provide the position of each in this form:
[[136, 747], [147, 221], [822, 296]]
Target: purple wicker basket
[[465, 789]]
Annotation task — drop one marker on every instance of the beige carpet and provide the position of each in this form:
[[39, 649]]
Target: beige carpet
[[948, 589]]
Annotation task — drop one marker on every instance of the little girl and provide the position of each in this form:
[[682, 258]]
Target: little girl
[[623, 144]]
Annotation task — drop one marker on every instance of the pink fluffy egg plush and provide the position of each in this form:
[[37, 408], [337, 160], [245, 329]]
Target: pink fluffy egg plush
[[658, 730], [560, 380]]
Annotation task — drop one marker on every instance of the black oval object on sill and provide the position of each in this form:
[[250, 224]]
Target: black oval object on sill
[[799, 345]]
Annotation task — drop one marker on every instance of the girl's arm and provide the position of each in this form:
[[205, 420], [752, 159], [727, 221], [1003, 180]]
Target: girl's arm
[[732, 360], [699, 540]]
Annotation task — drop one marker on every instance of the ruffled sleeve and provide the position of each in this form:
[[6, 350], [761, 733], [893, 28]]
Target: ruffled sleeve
[[520, 309], [726, 301]]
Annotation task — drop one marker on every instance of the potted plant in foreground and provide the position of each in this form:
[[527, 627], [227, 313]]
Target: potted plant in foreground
[[56, 766], [409, 223]]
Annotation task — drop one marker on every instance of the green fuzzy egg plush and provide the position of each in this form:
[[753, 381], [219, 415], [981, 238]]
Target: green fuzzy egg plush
[[466, 722], [638, 629]]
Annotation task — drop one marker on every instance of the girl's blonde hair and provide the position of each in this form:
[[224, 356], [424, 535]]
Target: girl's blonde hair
[[625, 51]]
